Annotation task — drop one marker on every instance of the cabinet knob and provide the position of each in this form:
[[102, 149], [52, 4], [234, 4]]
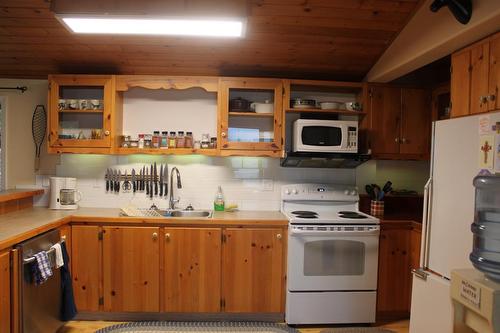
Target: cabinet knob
[[483, 99], [167, 236], [106, 133], [491, 98], [403, 140], [223, 134], [279, 236], [155, 235], [396, 140]]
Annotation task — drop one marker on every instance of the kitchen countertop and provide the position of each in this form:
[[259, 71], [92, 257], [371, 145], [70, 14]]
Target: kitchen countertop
[[9, 195], [18, 226]]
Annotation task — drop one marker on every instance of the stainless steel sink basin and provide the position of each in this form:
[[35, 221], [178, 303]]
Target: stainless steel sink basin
[[186, 213]]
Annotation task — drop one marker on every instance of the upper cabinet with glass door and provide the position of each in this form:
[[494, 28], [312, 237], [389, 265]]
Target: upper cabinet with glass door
[[250, 116], [80, 111]]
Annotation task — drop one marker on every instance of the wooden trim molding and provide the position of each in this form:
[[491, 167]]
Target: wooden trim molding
[[9, 195]]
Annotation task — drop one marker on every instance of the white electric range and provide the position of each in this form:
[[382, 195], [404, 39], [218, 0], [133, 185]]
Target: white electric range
[[332, 255]]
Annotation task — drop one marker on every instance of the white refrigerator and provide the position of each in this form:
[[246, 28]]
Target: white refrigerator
[[448, 214]]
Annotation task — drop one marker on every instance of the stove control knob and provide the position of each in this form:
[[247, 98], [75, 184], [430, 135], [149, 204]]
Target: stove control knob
[[354, 192], [346, 192], [287, 191], [294, 191]]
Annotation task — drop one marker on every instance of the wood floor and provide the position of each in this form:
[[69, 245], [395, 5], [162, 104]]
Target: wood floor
[[92, 326]]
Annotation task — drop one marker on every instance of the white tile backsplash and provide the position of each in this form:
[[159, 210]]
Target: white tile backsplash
[[252, 183]]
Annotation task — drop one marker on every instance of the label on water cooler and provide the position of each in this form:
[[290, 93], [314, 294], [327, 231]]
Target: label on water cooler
[[470, 293]]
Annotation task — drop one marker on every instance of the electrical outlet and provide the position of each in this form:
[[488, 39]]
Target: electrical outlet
[[267, 185]]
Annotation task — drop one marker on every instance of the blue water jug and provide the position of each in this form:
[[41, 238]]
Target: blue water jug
[[485, 254]]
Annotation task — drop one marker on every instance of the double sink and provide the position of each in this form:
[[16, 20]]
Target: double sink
[[185, 213]]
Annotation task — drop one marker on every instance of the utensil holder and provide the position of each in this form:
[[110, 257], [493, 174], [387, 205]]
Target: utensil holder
[[377, 208]]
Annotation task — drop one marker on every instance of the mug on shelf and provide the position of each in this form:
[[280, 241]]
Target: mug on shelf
[[62, 104], [377, 208], [72, 104], [95, 104], [83, 104]]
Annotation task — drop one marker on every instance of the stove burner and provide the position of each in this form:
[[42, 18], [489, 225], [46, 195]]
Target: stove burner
[[351, 215], [304, 212], [307, 216], [347, 212]]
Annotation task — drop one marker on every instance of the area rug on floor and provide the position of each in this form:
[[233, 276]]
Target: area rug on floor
[[211, 327], [356, 330]]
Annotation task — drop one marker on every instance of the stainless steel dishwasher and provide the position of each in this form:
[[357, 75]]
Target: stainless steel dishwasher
[[40, 305]]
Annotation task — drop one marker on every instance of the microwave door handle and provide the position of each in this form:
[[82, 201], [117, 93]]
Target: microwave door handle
[[345, 137]]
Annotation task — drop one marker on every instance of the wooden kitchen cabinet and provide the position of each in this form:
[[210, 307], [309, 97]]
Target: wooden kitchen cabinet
[[82, 113], [192, 266], [400, 122], [243, 129], [86, 264], [131, 269], [5, 305], [475, 78], [253, 270]]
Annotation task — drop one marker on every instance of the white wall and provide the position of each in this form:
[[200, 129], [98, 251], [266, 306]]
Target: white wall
[[20, 149]]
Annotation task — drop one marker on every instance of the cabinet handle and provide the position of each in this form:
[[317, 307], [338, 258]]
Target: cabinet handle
[[279, 236], [483, 99], [155, 235], [396, 140], [106, 133], [403, 140], [223, 134], [491, 98], [167, 236]]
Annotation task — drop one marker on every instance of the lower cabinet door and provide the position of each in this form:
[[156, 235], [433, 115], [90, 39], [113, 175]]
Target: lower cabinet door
[[192, 265], [86, 266], [253, 270], [131, 269], [5, 292]]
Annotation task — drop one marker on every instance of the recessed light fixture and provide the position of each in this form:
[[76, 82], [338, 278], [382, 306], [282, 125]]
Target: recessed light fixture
[[155, 26]]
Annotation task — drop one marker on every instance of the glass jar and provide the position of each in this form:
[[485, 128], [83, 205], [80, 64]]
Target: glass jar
[[181, 140], [213, 142], [164, 140], [147, 140], [126, 141], [172, 140], [156, 139], [188, 142], [197, 144], [140, 143], [205, 141]]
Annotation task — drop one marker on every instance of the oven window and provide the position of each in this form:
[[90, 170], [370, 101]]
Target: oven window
[[334, 257], [321, 136]]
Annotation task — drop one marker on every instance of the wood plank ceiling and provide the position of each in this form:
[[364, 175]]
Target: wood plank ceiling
[[312, 39]]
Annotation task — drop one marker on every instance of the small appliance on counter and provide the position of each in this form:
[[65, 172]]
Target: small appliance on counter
[[63, 193]]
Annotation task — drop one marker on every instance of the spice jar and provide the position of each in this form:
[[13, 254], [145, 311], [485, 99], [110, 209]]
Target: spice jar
[[188, 142], [156, 139], [181, 140], [147, 140], [205, 141], [164, 140], [126, 141], [140, 143], [171, 140], [197, 144], [213, 142]]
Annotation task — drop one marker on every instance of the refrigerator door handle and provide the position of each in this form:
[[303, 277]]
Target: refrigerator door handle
[[424, 245], [420, 273]]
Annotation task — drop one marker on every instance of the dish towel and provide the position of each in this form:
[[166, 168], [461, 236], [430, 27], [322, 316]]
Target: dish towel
[[58, 255], [68, 307], [41, 268]]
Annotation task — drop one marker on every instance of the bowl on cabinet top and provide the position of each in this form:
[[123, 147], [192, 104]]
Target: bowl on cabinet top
[[266, 107], [299, 103], [330, 105]]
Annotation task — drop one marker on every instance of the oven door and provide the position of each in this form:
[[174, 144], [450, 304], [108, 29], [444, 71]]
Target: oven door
[[332, 258]]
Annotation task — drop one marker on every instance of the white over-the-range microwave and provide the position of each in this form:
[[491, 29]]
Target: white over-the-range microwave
[[325, 136]]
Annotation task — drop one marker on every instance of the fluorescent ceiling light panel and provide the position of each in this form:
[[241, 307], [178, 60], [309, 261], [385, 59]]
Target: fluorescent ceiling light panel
[[136, 26]]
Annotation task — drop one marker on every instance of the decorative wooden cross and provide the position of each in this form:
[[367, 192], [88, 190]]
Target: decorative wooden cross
[[486, 149]]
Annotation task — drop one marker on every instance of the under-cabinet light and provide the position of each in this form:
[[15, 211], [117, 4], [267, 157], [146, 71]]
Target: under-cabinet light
[[153, 26]]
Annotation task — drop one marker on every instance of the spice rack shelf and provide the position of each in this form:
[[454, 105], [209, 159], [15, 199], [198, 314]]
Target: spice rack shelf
[[170, 151], [251, 114]]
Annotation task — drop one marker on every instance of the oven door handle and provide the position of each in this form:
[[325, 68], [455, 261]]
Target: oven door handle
[[319, 233]]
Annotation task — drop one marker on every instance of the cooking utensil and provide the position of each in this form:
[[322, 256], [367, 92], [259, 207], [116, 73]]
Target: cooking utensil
[[151, 181], [161, 180], [239, 104], [38, 130], [266, 107], [118, 181], [143, 177], [127, 186], [106, 178], [155, 179], [387, 187], [376, 191], [329, 105], [165, 179], [369, 190], [134, 187], [299, 103]]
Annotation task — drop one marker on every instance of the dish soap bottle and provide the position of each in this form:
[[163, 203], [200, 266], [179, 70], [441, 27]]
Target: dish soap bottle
[[219, 201]]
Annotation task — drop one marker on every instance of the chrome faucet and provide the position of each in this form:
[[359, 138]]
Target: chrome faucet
[[171, 200]]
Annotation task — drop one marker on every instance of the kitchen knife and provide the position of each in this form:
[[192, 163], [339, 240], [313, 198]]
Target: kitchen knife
[[106, 177], [143, 175], [155, 180], [387, 187], [133, 181], [165, 179], [118, 180], [146, 184], [113, 182], [369, 190], [161, 180], [151, 182]]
